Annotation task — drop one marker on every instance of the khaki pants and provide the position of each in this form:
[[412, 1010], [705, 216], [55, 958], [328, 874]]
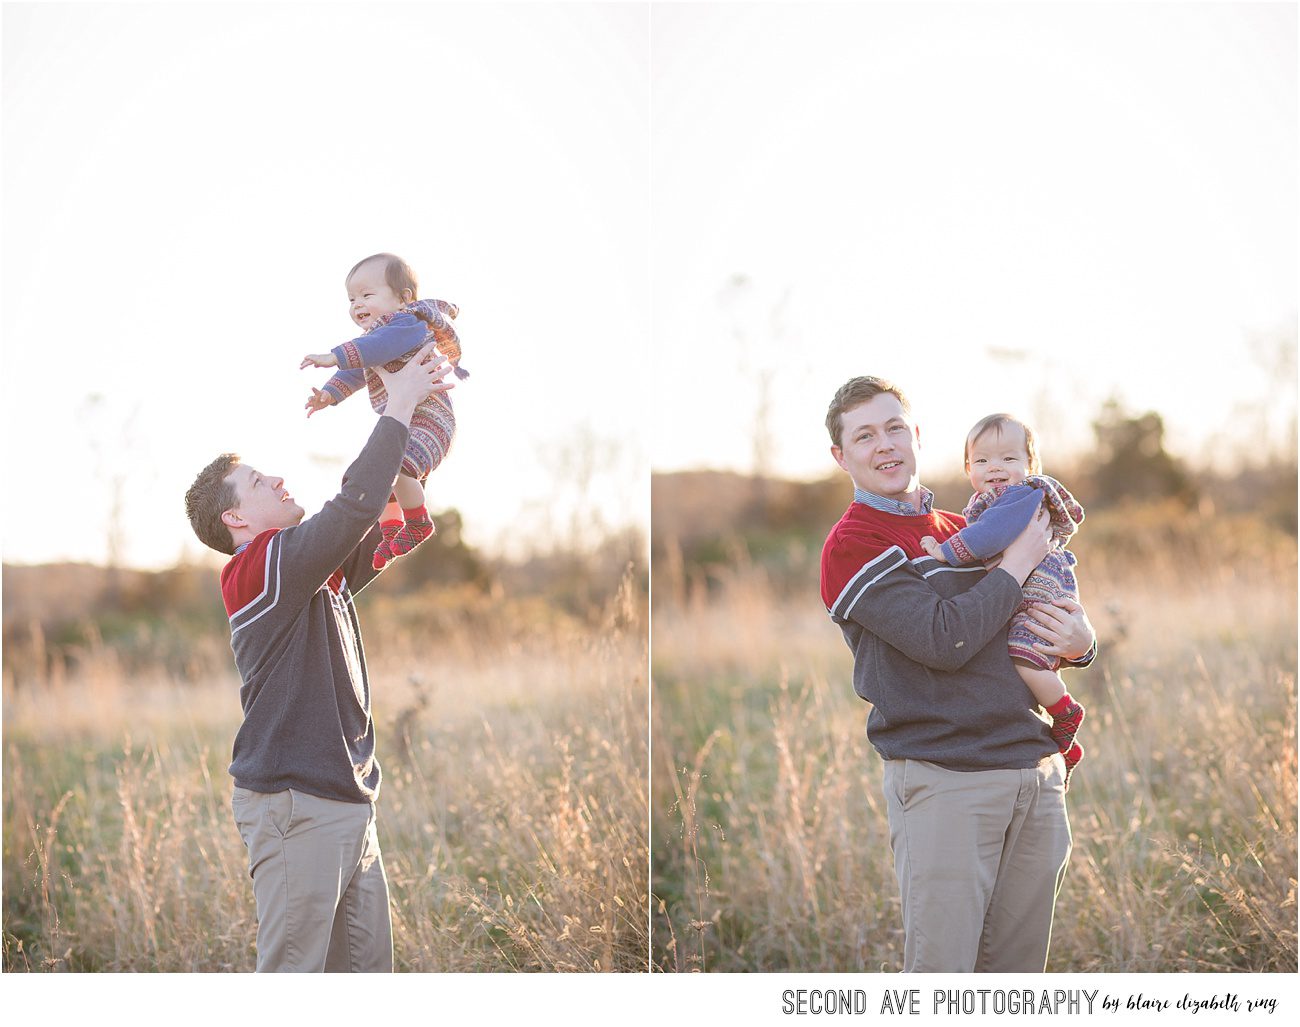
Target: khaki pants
[[318, 878], [979, 857]]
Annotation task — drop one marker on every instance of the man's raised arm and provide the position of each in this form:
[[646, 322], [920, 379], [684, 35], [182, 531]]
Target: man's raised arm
[[329, 540]]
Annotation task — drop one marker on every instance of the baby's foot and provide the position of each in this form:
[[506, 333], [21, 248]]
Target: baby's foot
[[1066, 716], [418, 527], [384, 551], [1072, 757]]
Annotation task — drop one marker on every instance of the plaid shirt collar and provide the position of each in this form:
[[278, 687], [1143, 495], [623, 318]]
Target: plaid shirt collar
[[893, 506]]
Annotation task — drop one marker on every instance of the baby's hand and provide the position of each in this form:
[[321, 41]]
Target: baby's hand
[[932, 548], [319, 401], [319, 360]]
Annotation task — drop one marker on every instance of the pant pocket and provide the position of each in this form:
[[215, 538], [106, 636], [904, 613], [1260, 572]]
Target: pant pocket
[[279, 812]]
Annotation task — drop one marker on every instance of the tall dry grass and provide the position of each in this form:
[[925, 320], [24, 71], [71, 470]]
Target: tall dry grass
[[771, 846], [513, 813]]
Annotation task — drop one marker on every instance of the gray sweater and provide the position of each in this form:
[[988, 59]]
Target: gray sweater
[[930, 645], [297, 641]]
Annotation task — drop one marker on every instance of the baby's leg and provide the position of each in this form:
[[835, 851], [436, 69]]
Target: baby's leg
[[1048, 688], [1046, 685], [409, 492]]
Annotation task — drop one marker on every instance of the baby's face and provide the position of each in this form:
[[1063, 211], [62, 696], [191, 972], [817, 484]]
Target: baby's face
[[369, 294], [998, 457]]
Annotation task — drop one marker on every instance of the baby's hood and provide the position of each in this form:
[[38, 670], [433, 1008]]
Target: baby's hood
[[1062, 507]]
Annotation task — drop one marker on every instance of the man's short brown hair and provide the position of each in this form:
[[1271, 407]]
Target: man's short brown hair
[[397, 273], [209, 497], [854, 393], [999, 421]]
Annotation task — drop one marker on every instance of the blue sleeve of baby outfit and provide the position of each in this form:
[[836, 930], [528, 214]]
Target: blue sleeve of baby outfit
[[402, 334], [997, 526]]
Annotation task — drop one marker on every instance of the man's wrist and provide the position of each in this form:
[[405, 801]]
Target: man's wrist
[[1014, 568], [400, 412]]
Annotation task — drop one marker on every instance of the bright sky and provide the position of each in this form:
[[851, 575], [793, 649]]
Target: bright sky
[[185, 187], [1028, 207], [1024, 207]]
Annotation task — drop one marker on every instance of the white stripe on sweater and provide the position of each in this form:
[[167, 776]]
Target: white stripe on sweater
[[275, 544], [897, 558], [939, 565], [266, 580]]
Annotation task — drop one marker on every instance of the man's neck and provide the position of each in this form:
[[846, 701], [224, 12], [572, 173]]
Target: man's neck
[[910, 504]]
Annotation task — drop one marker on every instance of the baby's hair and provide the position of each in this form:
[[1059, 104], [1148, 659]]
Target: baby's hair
[[998, 421], [397, 273], [854, 393]]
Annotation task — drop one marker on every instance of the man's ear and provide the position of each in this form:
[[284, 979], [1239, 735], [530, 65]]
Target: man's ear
[[231, 519], [838, 454]]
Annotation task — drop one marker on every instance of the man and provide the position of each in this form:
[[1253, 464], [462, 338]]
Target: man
[[973, 782], [306, 776]]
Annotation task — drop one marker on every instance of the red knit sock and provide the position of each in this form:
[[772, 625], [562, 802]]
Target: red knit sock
[[1072, 757], [418, 527], [1066, 716], [389, 525]]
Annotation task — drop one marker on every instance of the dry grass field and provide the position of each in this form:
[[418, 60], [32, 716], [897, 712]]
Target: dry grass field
[[771, 850], [513, 813]]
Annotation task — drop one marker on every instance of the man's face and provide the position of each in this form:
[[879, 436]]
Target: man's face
[[262, 502], [878, 446]]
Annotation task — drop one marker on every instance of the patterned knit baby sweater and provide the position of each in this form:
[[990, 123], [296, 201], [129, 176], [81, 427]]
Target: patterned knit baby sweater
[[929, 645], [297, 641], [392, 340]]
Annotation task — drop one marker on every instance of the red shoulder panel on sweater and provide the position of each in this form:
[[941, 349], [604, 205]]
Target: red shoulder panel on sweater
[[864, 533], [243, 579]]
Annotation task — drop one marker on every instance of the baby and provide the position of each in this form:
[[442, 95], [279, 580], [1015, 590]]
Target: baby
[[1003, 465], [382, 299]]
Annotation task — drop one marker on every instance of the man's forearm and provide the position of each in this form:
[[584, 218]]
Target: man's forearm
[[899, 606]]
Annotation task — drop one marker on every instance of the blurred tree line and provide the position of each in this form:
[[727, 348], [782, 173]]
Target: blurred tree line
[[705, 524], [61, 617]]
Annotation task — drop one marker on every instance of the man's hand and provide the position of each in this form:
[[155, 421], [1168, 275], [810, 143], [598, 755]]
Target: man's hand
[[319, 360], [1064, 628], [320, 399], [1029, 547], [421, 376], [932, 548]]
